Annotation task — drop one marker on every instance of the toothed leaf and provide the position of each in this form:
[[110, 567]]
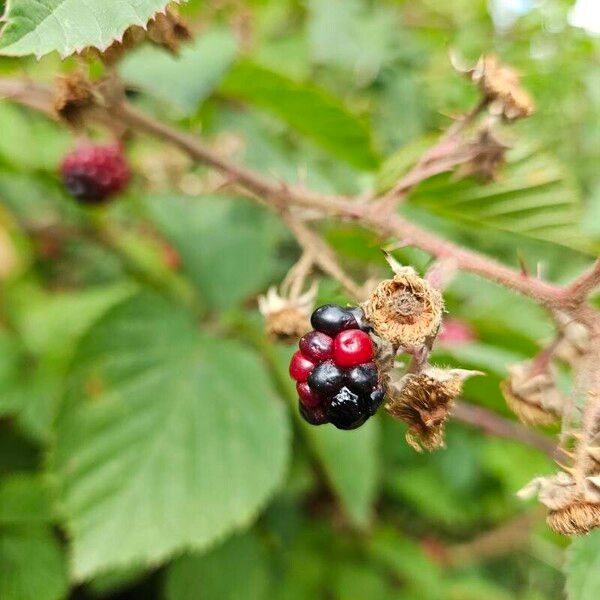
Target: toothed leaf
[[67, 26], [167, 439]]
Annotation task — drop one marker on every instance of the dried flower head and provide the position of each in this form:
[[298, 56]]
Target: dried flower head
[[489, 156], [501, 88], [532, 394], [404, 310], [287, 319], [423, 401], [572, 510], [575, 339]]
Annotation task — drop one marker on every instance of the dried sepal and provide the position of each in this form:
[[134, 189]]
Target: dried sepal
[[424, 401], [489, 156], [287, 319], [405, 310], [501, 87], [533, 396]]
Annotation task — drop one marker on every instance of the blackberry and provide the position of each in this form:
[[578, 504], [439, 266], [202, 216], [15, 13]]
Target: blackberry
[[376, 397], [352, 347], [326, 379], [336, 378], [332, 318], [93, 173], [359, 316], [315, 415], [316, 346], [347, 410], [362, 379], [300, 367]]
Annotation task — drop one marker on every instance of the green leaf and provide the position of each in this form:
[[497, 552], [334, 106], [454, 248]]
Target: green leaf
[[184, 80], [67, 26], [49, 326], [10, 367], [32, 565], [407, 561], [239, 564], [29, 140], [534, 197], [343, 33], [167, 439], [583, 567], [349, 460], [400, 163], [227, 246], [26, 499], [306, 109]]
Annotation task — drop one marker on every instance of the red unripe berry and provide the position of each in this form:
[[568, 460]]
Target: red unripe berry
[[94, 173], [316, 346], [352, 347], [300, 367], [306, 395]]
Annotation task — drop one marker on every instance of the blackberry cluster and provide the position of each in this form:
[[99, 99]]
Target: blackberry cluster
[[336, 378], [92, 173]]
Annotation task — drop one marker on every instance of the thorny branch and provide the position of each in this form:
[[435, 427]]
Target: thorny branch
[[329, 204], [380, 217]]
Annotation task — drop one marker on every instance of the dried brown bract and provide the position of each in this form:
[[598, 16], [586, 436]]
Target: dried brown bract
[[423, 401], [286, 319], [502, 89], [532, 395], [405, 310]]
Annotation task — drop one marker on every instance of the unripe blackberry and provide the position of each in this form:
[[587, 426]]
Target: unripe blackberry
[[336, 377], [94, 173]]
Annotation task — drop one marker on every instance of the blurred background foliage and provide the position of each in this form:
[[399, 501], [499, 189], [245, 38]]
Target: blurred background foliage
[[149, 446]]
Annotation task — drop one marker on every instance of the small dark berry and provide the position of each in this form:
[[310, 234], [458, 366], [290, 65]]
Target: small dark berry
[[326, 379], [300, 367], [307, 396], [332, 318], [316, 346], [376, 397], [359, 315], [314, 415], [94, 173], [347, 410], [362, 378], [352, 347]]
